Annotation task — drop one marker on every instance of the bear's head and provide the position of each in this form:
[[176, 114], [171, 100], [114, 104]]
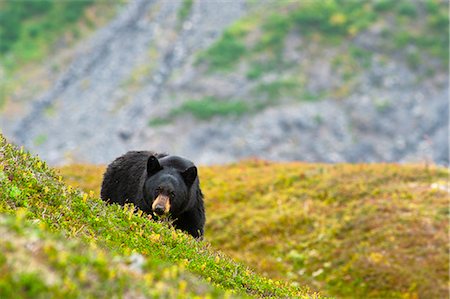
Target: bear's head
[[167, 187]]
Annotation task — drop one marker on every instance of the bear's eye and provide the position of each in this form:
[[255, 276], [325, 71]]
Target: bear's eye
[[172, 194]]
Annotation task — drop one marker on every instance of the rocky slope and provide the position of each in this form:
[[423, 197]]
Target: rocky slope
[[125, 88]]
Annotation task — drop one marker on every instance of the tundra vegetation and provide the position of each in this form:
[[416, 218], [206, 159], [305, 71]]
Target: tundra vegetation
[[346, 230], [60, 242]]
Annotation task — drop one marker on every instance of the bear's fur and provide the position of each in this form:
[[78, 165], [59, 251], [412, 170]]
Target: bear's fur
[[157, 184]]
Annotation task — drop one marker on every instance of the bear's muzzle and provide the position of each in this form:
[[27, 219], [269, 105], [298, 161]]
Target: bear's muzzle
[[161, 205]]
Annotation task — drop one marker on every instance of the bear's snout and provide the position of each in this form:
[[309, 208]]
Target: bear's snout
[[161, 205]]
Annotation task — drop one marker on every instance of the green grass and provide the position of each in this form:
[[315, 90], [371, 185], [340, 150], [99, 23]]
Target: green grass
[[259, 68], [226, 52], [351, 231], [30, 32], [159, 121], [406, 8], [275, 89], [322, 32], [335, 22], [272, 93], [204, 109], [38, 263], [363, 56], [27, 29], [185, 10], [209, 107], [45, 207], [265, 95], [275, 28], [331, 18]]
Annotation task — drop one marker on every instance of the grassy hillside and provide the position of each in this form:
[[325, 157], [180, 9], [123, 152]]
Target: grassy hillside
[[61, 242], [29, 30], [37, 263], [369, 230], [349, 230]]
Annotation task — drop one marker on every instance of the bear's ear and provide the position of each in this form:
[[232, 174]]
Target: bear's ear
[[189, 175], [153, 166]]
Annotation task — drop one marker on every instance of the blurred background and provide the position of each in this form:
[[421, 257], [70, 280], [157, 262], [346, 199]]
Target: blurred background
[[218, 81], [82, 82]]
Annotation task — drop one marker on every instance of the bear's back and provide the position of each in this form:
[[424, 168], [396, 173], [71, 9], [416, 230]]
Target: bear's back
[[124, 176]]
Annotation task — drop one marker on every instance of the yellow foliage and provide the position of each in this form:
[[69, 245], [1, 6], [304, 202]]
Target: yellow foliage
[[376, 257], [362, 222], [338, 19], [155, 237]]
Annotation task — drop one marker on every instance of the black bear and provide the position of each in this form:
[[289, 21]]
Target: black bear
[[157, 184]]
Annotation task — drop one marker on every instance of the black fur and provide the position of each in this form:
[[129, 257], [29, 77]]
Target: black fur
[[138, 177]]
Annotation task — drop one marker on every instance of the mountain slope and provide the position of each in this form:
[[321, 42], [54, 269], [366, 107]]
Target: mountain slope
[[74, 224], [306, 80], [118, 76], [364, 230]]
